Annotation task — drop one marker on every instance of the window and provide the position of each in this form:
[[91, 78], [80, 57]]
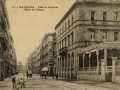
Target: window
[[62, 28], [68, 23], [68, 39], [65, 26], [60, 31], [59, 45], [115, 36], [62, 43], [72, 20], [72, 37], [116, 16], [65, 41], [104, 16], [104, 35], [92, 36], [92, 15]]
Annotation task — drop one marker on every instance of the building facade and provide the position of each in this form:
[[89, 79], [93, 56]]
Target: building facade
[[48, 50], [87, 22], [8, 58], [44, 55], [28, 64], [34, 61]]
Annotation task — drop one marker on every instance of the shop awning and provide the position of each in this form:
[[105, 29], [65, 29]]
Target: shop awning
[[45, 69]]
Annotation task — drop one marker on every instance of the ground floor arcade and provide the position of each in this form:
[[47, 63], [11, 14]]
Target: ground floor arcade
[[66, 64]]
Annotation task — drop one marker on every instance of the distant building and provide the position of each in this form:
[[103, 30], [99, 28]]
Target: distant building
[[48, 52], [28, 64], [44, 55], [87, 23], [33, 61], [20, 67]]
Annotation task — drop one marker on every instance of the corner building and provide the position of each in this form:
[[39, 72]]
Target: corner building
[[87, 23]]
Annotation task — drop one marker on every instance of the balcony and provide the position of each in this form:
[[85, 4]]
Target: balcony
[[63, 51]]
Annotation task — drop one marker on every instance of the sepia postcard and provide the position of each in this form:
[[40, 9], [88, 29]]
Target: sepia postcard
[[60, 44]]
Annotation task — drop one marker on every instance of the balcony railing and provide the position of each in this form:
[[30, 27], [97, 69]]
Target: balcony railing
[[63, 51]]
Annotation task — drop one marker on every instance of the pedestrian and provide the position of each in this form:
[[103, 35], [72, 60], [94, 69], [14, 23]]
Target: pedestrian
[[13, 81], [41, 75], [24, 81], [2, 77], [18, 82], [45, 75], [56, 75], [53, 75]]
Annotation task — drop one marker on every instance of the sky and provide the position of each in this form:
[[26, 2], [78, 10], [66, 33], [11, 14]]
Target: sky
[[28, 27]]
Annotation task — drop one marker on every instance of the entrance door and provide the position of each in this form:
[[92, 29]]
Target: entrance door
[[109, 70], [109, 73]]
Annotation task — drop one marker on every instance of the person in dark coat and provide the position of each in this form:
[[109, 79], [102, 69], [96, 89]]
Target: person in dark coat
[[13, 81], [53, 75], [56, 75]]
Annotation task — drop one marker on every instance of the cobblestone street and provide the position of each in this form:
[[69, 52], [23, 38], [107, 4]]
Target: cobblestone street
[[36, 83]]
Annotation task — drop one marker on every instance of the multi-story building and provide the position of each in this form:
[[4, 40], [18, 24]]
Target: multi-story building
[[44, 55], [7, 50], [28, 64], [20, 67], [87, 23], [36, 60], [12, 53], [33, 61], [48, 49]]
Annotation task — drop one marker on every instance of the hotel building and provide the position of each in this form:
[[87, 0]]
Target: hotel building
[[87, 37]]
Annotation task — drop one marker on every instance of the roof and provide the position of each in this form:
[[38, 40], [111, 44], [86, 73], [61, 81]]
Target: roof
[[101, 46]]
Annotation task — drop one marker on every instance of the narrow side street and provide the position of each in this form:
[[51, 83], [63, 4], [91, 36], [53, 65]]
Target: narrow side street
[[37, 83]]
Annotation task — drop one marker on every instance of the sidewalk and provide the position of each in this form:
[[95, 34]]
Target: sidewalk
[[5, 83], [93, 83]]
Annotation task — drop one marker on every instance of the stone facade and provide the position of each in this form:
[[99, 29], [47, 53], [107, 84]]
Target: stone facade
[[8, 61], [48, 49], [43, 55], [86, 23]]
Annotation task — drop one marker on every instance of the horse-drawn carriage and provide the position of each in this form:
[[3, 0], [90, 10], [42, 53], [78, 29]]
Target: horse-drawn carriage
[[44, 72]]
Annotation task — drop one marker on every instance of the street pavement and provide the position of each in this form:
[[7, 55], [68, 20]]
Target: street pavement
[[37, 83]]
